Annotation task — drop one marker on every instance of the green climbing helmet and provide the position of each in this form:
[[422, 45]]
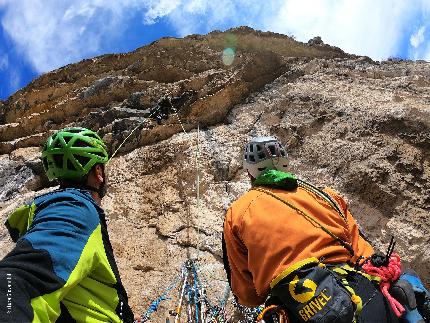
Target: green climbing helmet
[[70, 153]]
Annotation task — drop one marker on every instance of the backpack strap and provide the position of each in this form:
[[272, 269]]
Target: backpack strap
[[310, 218], [343, 271], [324, 196]]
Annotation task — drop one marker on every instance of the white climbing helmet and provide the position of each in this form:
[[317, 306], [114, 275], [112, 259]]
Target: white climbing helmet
[[263, 153]]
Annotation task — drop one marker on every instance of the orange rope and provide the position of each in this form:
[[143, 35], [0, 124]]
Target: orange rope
[[272, 309]]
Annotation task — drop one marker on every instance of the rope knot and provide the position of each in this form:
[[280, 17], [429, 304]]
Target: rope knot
[[388, 274]]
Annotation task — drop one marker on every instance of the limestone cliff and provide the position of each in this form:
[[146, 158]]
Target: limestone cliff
[[359, 126]]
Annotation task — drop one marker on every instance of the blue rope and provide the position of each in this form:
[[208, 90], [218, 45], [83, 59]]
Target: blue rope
[[154, 305], [192, 295], [189, 300], [196, 291], [225, 299], [216, 311]]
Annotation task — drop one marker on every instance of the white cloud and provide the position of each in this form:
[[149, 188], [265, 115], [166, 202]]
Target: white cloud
[[418, 38], [4, 62], [85, 10], [367, 27], [158, 9], [14, 79], [52, 33], [426, 55], [202, 16]]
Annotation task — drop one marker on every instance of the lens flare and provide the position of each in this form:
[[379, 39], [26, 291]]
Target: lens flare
[[228, 56]]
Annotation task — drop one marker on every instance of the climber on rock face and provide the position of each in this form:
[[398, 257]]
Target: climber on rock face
[[62, 267], [285, 238]]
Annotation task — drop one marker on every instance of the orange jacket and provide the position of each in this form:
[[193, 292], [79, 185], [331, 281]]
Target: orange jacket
[[263, 237]]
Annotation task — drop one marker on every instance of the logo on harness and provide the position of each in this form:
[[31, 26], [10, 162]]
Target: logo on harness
[[302, 297], [313, 292], [314, 306]]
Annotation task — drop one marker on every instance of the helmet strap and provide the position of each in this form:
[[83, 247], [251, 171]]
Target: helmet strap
[[103, 187], [101, 191]]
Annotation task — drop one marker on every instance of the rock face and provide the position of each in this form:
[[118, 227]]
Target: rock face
[[359, 126]]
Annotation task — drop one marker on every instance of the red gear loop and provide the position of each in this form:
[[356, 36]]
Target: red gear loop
[[388, 275]]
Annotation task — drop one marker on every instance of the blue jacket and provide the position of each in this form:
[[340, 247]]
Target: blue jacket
[[62, 267]]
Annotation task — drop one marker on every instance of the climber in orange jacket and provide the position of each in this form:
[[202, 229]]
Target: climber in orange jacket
[[283, 223]]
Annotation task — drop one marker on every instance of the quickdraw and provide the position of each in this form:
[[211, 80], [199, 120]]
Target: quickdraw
[[272, 310]]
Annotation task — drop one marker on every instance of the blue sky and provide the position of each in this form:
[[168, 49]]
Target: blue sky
[[38, 36]]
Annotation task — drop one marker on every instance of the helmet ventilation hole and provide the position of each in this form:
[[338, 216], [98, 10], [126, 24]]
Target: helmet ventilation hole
[[92, 135], [70, 165], [82, 160], [57, 144], [272, 150], [74, 130], [58, 160], [80, 143]]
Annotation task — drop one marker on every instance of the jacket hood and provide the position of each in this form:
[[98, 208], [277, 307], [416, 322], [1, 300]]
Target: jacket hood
[[276, 178], [20, 220]]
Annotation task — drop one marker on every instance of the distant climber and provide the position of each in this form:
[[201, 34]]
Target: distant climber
[[298, 244], [167, 105], [62, 267]]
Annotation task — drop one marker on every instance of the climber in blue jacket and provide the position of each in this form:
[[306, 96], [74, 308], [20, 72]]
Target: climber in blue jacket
[[62, 267]]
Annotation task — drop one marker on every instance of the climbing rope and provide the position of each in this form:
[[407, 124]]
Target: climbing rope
[[192, 293], [134, 129], [216, 312], [273, 310], [192, 296], [154, 305], [250, 314], [197, 155], [178, 309], [153, 112], [198, 190], [388, 274]]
